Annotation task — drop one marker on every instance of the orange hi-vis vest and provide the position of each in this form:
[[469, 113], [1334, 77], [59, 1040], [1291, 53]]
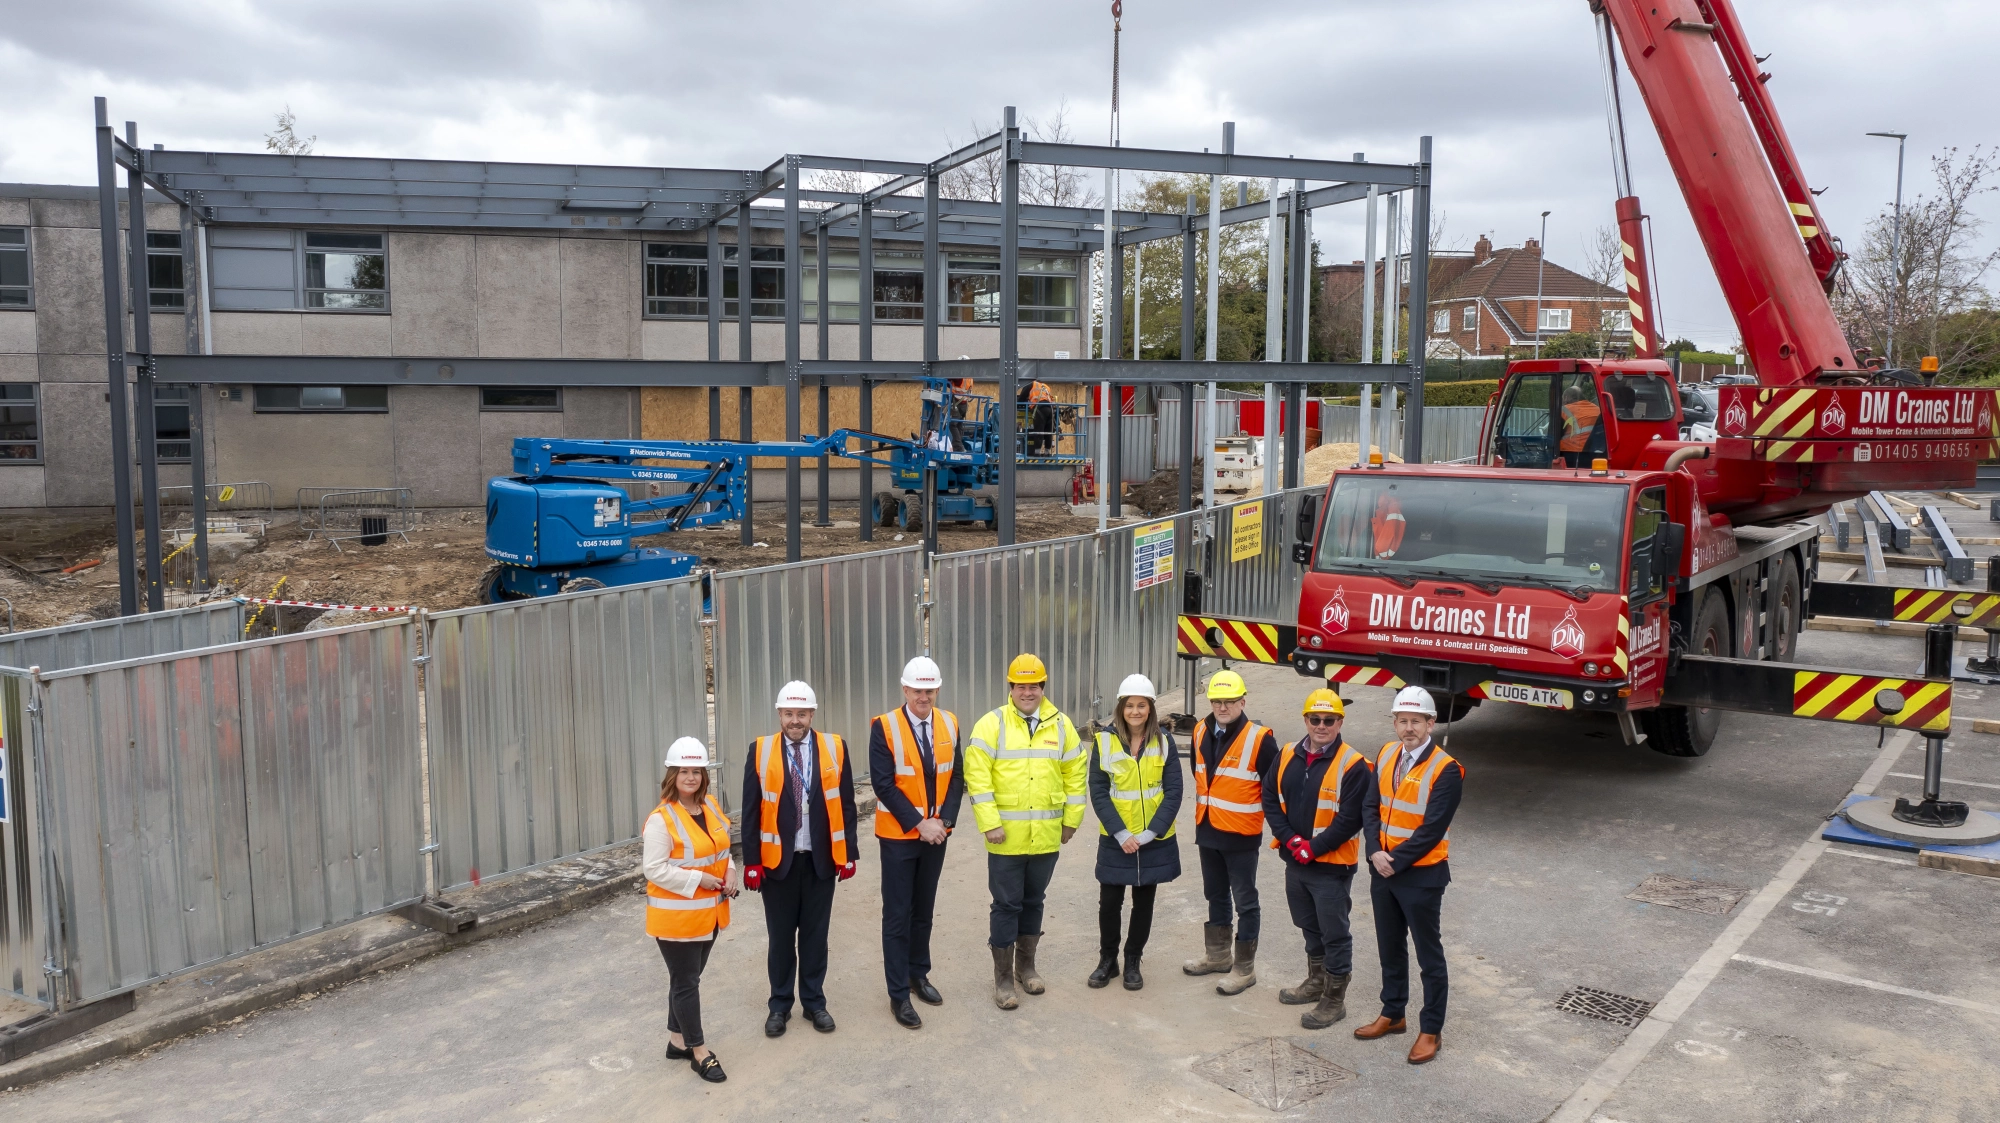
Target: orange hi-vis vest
[[1579, 418], [1403, 805], [902, 736], [1040, 394], [771, 778], [1236, 801], [1387, 526], [670, 917], [1347, 853]]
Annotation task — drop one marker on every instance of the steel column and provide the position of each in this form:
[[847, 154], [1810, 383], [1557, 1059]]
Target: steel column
[[711, 289], [1420, 295], [114, 353], [865, 352], [1187, 445], [820, 515], [794, 385], [1112, 484], [195, 303], [743, 397], [1010, 320], [1114, 296]]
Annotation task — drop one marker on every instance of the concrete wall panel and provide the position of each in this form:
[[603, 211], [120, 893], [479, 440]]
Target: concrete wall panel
[[348, 449], [605, 413], [436, 431], [69, 291], [496, 439], [600, 307], [342, 333], [518, 283], [23, 486], [681, 339], [17, 368], [72, 368], [433, 294], [15, 212], [76, 445], [258, 333], [75, 214], [17, 333], [169, 333]]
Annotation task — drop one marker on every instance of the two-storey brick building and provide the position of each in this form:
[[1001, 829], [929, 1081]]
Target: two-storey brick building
[[1485, 305]]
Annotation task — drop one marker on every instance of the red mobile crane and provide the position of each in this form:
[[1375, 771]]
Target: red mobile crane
[[1593, 560]]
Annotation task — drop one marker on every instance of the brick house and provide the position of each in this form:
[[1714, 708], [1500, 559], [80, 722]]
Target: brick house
[[1486, 307]]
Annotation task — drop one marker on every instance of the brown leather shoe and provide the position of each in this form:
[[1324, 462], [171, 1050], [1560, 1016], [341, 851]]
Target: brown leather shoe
[[1425, 1049], [1382, 1027]]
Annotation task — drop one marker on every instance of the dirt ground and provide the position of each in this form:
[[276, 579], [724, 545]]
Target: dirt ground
[[437, 569]]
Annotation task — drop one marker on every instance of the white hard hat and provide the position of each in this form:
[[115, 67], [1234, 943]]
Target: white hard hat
[[797, 696], [687, 752], [1137, 686], [922, 673], [1414, 700]]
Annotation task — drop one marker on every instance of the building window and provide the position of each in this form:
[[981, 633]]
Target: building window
[[173, 435], [1441, 322], [346, 272], [843, 285], [1615, 320], [521, 399], [322, 399], [899, 286], [767, 282], [16, 289], [1555, 319], [676, 280], [20, 424], [1471, 318], [164, 285], [1047, 293]]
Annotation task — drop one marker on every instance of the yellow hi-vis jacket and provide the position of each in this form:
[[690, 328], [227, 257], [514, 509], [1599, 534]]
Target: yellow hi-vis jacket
[[1031, 785]]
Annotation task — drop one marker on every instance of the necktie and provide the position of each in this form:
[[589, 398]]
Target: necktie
[[800, 762], [924, 736], [1403, 760]]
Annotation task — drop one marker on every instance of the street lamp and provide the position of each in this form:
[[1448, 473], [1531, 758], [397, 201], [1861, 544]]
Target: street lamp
[[1895, 244], [1541, 255]]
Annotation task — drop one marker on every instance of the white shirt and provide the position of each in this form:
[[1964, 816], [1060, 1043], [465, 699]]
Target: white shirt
[[1406, 758], [923, 727], [803, 840], [681, 881]]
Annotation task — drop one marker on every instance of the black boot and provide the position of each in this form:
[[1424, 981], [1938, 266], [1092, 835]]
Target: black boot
[[1107, 966], [1133, 979]]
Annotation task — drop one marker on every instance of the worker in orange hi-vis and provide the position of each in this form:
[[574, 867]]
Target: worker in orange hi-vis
[[1580, 415], [1386, 526]]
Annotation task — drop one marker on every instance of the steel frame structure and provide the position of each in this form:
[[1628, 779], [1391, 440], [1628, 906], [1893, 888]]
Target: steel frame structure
[[265, 189]]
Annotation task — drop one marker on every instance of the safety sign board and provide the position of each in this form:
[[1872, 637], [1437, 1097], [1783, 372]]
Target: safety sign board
[[1152, 555], [1246, 531]]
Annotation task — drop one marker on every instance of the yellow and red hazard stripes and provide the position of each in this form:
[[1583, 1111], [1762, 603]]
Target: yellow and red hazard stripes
[[1836, 697], [1249, 641], [1362, 676], [1784, 412], [1936, 606]]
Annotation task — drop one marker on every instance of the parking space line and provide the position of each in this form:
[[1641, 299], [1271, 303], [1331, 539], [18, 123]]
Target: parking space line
[[1624, 1060], [1850, 980], [1869, 857], [1961, 783]]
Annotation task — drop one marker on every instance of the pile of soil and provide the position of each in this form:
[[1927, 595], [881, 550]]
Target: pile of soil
[[1161, 495]]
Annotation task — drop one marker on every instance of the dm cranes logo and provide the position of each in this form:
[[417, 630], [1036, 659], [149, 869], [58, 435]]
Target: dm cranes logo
[[1985, 415], [1333, 618], [1832, 419], [1566, 638], [1735, 419]]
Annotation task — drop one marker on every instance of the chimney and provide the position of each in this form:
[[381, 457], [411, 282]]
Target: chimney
[[1482, 249], [1532, 248]]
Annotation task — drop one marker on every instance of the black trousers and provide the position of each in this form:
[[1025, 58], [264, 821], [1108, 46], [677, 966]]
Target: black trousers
[[685, 961], [1321, 896], [1417, 910], [797, 912], [910, 870], [1019, 884], [1110, 903], [1226, 874]]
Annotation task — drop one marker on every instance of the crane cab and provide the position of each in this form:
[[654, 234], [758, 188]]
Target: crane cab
[[1568, 413]]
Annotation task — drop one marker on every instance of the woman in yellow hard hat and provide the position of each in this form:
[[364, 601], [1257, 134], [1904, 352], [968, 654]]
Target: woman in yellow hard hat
[[1135, 788], [1231, 755]]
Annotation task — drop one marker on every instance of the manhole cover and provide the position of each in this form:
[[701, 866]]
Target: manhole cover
[[1695, 896], [1604, 1006], [1273, 1073]]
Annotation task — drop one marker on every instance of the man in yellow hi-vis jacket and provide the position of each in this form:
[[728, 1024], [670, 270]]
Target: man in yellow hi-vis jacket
[[1025, 771]]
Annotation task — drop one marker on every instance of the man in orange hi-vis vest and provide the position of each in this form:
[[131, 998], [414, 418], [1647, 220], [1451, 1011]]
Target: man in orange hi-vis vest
[[798, 790], [1230, 755], [1406, 826], [913, 764]]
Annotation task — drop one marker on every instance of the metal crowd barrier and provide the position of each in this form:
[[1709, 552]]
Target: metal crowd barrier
[[244, 498], [548, 721], [370, 514]]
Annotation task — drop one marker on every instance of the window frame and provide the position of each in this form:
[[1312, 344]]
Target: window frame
[[1469, 318], [259, 392], [1551, 315], [665, 262], [1031, 315], [172, 398], [488, 407], [32, 403], [27, 252], [306, 290], [156, 248], [1441, 322], [1614, 320]]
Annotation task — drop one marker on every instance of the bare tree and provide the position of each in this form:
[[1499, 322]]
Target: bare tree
[[1935, 280], [1040, 183], [1604, 262], [285, 139]]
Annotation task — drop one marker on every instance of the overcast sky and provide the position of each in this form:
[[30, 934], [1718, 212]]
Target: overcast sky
[[1510, 92]]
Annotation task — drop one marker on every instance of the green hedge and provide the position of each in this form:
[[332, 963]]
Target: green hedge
[[1712, 358], [1443, 393]]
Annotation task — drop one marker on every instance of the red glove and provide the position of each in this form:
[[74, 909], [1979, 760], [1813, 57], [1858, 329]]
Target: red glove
[[847, 871], [1302, 851], [753, 878]]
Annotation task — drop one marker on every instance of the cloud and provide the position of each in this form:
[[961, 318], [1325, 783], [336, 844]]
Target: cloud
[[1510, 95]]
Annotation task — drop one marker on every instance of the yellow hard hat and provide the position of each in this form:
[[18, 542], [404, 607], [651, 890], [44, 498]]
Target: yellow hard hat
[[1225, 685], [1324, 701], [1027, 669]]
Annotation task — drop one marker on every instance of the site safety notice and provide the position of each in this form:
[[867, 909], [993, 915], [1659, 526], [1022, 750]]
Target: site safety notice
[[1152, 555], [1246, 531]]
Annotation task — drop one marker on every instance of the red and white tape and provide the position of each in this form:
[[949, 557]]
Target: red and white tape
[[335, 607]]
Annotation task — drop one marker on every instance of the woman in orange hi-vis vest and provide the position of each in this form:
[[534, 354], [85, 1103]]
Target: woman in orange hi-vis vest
[[689, 882]]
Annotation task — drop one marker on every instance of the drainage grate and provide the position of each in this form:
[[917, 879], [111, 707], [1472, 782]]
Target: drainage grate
[[1273, 1073], [1604, 1006], [1694, 896]]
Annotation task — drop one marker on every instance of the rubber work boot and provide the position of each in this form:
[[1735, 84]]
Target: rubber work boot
[[1332, 1002], [1243, 975], [1309, 990], [1003, 978], [1024, 964], [1216, 938]]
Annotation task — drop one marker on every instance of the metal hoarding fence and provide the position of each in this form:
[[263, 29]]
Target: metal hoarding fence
[[843, 625], [206, 804], [24, 924], [1264, 585], [124, 637], [993, 604], [1136, 626], [547, 721]]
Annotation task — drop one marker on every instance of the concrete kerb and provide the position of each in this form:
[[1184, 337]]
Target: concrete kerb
[[176, 1007]]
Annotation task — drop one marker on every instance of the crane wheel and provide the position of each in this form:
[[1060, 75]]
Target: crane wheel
[[486, 587], [581, 585], [1689, 731], [1786, 621], [910, 516], [886, 503]]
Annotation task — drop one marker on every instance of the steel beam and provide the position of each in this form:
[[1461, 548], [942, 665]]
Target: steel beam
[[114, 353], [1227, 165]]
